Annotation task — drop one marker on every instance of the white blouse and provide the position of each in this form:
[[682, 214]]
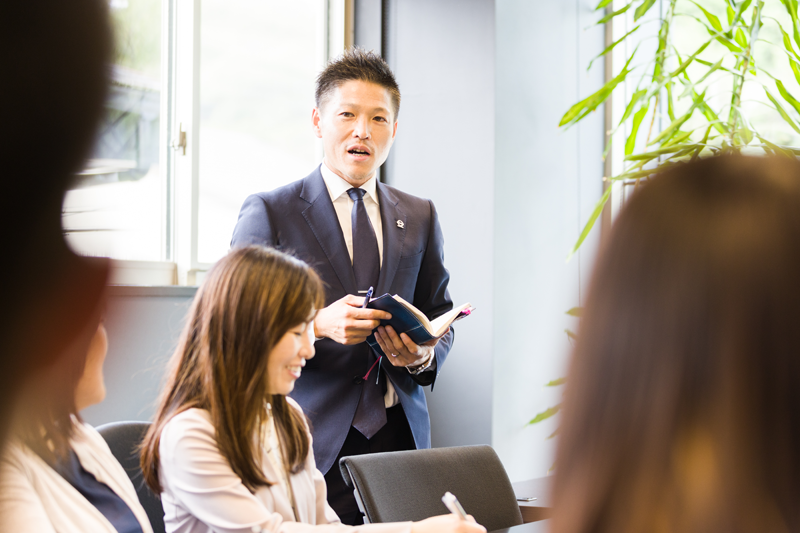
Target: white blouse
[[34, 497], [202, 494]]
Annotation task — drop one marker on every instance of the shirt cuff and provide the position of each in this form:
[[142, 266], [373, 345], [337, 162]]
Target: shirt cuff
[[420, 366]]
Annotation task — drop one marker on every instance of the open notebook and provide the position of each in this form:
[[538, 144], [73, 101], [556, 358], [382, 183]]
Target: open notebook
[[409, 320]]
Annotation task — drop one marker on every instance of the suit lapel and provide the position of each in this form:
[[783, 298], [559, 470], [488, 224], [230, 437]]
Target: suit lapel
[[394, 221], [321, 218]]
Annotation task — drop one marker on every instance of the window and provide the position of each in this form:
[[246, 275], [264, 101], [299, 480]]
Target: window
[[116, 206], [210, 102], [688, 33]]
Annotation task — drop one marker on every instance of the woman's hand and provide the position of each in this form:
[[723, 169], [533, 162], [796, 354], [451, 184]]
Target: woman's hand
[[447, 523]]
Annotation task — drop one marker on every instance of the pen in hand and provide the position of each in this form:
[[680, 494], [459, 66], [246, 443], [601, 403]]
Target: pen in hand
[[367, 297], [452, 503]]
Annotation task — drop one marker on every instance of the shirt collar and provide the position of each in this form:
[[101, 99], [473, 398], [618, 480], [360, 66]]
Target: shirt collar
[[338, 186]]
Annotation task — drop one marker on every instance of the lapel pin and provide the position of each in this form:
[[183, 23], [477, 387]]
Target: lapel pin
[[400, 224]]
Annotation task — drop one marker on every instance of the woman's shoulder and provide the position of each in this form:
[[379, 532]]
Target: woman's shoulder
[[186, 429]]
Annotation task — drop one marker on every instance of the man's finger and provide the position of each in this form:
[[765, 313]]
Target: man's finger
[[410, 345], [352, 299], [368, 314], [365, 325]]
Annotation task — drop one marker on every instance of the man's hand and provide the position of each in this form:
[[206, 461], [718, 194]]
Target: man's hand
[[345, 322], [400, 349]]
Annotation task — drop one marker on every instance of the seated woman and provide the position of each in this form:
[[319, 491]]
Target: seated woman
[[57, 474], [228, 451], [682, 412]]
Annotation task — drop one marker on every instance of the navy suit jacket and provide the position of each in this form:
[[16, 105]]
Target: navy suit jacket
[[299, 218]]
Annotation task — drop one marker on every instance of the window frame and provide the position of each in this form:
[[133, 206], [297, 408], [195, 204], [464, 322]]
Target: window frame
[[180, 112]]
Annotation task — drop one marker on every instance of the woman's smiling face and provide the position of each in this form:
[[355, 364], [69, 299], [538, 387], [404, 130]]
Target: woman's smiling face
[[288, 357]]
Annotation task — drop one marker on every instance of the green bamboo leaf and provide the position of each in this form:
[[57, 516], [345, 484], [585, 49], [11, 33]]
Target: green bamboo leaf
[[709, 71], [602, 4], [795, 69], [661, 151], [680, 136], [633, 175], [614, 14], [552, 436], [598, 208], [787, 96], [544, 415], [713, 19], [673, 127], [731, 14], [670, 101], [556, 382], [787, 44], [642, 9], [611, 47], [781, 111], [740, 38], [608, 147], [708, 112], [575, 311], [634, 100], [590, 103], [775, 148], [703, 143], [683, 66], [791, 8], [630, 143], [744, 135]]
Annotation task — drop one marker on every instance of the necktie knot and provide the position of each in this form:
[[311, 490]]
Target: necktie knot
[[356, 193]]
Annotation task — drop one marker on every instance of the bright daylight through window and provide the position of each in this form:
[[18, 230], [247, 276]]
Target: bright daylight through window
[[257, 64]]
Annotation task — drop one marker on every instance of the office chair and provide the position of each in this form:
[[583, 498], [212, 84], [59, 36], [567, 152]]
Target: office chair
[[409, 485], [124, 438]]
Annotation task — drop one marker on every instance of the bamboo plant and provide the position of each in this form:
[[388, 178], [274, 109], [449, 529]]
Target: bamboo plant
[[734, 90]]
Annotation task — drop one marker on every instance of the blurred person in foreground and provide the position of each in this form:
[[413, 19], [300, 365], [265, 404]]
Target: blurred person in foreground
[[682, 412], [54, 59], [58, 474], [229, 450]]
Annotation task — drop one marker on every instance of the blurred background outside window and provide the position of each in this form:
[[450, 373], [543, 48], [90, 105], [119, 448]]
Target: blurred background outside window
[[252, 83], [116, 206]]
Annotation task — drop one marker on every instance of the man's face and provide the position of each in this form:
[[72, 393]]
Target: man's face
[[357, 127]]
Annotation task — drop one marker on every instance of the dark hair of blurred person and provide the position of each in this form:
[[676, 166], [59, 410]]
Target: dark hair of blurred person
[[682, 408], [54, 56]]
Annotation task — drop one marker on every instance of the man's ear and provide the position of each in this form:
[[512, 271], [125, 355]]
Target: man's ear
[[394, 130], [315, 118]]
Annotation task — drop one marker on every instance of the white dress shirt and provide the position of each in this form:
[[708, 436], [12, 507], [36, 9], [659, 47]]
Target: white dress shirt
[[343, 204]]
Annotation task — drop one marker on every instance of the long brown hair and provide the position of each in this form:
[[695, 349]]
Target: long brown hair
[[249, 300], [682, 408]]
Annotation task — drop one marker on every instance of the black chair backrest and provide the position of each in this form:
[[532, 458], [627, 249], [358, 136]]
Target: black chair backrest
[[124, 438], [398, 486]]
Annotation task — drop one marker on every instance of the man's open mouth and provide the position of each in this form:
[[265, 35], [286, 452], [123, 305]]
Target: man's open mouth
[[356, 151]]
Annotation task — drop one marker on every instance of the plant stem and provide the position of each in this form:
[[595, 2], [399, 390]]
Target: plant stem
[[661, 59], [738, 83]]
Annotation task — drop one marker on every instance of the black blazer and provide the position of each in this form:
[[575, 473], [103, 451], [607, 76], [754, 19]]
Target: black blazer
[[299, 218]]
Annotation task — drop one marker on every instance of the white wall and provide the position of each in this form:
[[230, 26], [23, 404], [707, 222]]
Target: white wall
[[442, 53], [546, 184]]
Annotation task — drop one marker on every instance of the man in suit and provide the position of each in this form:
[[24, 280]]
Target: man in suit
[[357, 232]]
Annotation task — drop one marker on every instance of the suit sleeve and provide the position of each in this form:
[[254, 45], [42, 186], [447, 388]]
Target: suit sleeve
[[254, 225], [432, 297]]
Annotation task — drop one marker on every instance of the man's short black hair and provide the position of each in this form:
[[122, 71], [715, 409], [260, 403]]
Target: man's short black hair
[[357, 64]]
